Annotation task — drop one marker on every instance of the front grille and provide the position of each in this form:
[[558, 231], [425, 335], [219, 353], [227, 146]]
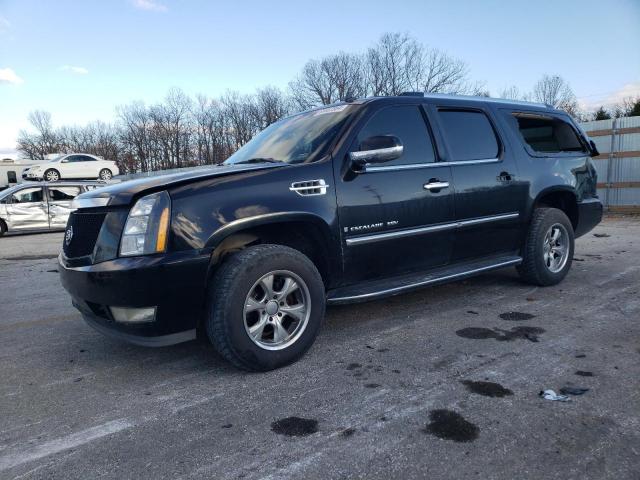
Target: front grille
[[81, 233]]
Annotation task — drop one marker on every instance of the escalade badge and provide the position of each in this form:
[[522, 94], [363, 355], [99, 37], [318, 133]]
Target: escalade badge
[[68, 236]]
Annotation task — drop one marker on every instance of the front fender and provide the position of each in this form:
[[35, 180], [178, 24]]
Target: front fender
[[251, 222]]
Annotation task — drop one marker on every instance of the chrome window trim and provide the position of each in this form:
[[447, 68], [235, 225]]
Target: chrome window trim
[[390, 168], [378, 237], [427, 282]]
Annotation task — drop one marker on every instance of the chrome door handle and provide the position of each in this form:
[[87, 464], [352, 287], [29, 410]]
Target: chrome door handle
[[436, 185]]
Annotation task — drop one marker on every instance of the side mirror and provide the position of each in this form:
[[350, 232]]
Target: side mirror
[[66, 160], [377, 149], [594, 149]]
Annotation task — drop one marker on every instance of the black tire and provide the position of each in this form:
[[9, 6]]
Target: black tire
[[3, 228], [227, 293], [534, 268], [51, 172], [105, 174]]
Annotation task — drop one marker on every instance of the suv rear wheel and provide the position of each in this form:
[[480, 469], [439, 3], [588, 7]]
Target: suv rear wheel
[[266, 305], [548, 248]]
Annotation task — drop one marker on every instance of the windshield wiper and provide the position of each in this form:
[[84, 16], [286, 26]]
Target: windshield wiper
[[259, 160]]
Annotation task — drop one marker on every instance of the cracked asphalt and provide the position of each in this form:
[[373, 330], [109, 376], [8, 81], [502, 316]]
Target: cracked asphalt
[[439, 383]]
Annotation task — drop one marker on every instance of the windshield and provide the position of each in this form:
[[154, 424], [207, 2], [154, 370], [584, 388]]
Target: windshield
[[297, 139], [55, 159]]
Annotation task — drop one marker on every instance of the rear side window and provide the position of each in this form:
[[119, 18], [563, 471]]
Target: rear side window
[[407, 123], [469, 135], [63, 193], [548, 134]]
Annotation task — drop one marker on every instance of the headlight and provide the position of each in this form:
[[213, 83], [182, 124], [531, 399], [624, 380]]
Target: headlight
[[147, 226]]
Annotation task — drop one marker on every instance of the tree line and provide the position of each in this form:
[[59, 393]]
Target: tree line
[[183, 131]]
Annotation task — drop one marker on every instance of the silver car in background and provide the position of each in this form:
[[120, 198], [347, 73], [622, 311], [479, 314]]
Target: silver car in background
[[29, 207]]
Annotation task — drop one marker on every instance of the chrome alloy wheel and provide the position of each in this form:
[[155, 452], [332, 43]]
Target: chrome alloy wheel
[[277, 310], [556, 247]]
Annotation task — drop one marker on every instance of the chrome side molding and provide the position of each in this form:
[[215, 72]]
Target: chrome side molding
[[377, 237], [390, 168]]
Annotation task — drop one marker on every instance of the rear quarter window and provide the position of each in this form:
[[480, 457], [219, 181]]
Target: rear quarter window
[[545, 134]]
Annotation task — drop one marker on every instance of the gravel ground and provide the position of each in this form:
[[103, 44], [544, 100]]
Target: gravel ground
[[440, 383]]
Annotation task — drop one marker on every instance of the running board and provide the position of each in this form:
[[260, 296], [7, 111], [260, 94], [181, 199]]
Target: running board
[[372, 290]]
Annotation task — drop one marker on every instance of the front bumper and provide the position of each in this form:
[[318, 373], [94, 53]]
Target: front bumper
[[589, 215], [174, 283]]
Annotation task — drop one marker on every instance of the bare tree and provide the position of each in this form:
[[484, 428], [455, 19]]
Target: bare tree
[[398, 63], [331, 79], [511, 93], [269, 105], [555, 91], [238, 110], [45, 139]]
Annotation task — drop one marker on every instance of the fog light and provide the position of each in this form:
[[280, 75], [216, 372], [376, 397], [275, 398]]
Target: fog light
[[133, 315]]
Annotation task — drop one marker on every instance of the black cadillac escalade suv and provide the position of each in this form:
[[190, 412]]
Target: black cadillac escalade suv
[[346, 203]]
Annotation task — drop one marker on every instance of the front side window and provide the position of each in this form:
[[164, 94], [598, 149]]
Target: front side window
[[469, 135], [297, 139], [63, 193], [548, 134], [28, 195], [407, 123]]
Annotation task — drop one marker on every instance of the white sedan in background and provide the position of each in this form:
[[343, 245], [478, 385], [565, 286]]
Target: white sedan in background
[[72, 165]]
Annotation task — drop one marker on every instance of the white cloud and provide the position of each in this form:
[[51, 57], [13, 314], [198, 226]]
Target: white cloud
[[150, 5], [610, 99], [8, 76], [74, 70]]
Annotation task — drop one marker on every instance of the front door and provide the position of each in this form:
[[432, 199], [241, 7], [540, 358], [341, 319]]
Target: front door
[[27, 209], [60, 198], [490, 199], [392, 219]]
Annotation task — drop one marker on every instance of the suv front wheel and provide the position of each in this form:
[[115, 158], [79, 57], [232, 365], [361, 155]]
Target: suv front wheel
[[266, 305], [548, 249]]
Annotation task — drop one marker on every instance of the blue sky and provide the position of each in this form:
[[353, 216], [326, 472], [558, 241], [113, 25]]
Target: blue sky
[[79, 59]]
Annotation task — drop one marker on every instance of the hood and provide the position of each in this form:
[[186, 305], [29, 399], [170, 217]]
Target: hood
[[122, 193]]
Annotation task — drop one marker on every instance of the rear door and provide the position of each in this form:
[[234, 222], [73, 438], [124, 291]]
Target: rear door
[[490, 199], [60, 198], [391, 222], [27, 209]]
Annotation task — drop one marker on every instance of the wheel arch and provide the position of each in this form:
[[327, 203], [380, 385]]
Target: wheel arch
[[305, 232], [560, 197]]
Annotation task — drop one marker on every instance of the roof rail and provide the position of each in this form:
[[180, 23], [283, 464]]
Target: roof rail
[[411, 94]]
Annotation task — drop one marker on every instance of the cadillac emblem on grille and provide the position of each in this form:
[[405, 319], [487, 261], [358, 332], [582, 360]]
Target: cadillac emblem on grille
[[68, 235]]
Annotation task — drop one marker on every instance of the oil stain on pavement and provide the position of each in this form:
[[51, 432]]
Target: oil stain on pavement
[[516, 316], [295, 426], [450, 425], [481, 333], [488, 389]]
